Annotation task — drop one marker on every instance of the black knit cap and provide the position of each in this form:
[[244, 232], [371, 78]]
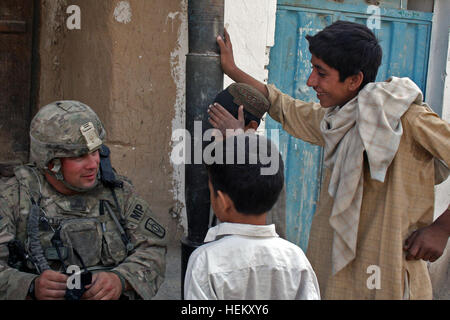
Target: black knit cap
[[237, 94]]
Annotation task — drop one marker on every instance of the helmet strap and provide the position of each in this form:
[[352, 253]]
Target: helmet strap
[[77, 189], [56, 169]]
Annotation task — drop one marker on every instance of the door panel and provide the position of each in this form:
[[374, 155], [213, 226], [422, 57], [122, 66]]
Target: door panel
[[16, 21]]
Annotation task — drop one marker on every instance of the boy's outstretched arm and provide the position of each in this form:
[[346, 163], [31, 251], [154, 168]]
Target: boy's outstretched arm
[[230, 69]]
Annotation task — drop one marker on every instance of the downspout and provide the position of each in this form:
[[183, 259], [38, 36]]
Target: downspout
[[204, 80]]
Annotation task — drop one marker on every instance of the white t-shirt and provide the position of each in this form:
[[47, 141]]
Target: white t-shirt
[[249, 262]]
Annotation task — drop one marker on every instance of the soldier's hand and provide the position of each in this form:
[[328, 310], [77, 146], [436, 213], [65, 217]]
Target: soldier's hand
[[105, 286], [50, 285]]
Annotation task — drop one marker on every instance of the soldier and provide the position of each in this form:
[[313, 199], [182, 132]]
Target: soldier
[[67, 211]]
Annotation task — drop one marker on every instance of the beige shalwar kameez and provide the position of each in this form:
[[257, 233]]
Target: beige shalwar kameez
[[390, 211]]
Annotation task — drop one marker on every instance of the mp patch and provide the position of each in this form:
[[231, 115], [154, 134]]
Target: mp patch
[[138, 212], [155, 228]]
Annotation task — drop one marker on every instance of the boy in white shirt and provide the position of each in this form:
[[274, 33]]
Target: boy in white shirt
[[244, 258]]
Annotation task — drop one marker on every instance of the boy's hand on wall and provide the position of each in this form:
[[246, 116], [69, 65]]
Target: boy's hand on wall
[[230, 69], [226, 54]]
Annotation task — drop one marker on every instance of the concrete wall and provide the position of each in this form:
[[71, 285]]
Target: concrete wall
[[126, 62]]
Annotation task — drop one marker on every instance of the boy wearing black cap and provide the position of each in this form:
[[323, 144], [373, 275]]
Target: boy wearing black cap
[[245, 258], [245, 103]]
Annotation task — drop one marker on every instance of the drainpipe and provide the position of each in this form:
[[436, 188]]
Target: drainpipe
[[204, 80]]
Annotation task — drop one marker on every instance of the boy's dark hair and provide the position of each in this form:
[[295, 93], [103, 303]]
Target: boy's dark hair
[[252, 193], [254, 102], [348, 47]]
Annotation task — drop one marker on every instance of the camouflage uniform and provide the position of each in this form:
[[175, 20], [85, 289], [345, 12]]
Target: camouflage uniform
[[82, 226]]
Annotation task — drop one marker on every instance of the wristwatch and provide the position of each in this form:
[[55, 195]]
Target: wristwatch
[[31, 290]]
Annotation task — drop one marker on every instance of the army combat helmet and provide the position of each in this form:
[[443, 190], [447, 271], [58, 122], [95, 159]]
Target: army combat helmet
[[64, 129]]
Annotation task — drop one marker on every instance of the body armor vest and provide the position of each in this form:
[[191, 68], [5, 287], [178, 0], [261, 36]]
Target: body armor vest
[[79, 221]]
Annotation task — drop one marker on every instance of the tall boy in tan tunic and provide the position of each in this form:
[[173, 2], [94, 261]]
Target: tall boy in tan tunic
[[373, 229]]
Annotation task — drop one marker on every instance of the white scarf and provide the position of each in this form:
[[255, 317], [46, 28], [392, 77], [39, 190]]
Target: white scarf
[[370, 122]]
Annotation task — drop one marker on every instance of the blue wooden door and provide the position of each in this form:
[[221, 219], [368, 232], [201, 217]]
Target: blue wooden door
[[405, 39]]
